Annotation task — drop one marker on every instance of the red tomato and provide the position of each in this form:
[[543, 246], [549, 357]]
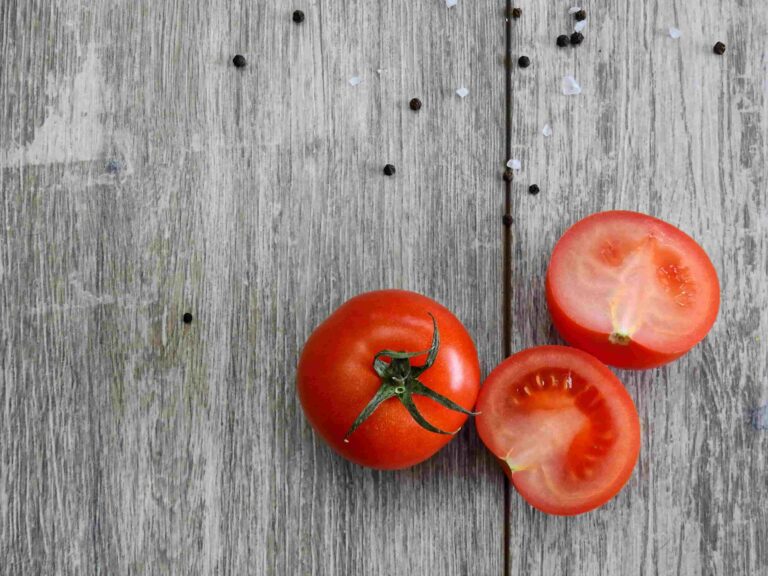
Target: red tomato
[[631, 289], [563, 427], [337, 378]]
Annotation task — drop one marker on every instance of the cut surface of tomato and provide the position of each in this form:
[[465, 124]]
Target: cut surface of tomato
[[563, 427], [631, 289]]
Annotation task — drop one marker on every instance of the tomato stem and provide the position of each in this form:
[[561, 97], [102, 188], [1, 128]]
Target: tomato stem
[[400, 380]]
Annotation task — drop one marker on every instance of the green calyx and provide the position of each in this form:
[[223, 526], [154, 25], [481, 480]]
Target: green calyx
[[400, 380]]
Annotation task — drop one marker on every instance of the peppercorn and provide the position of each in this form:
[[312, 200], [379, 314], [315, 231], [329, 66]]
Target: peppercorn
[[580, 15], [239, 61], [719, 49], [577, 38], [415, 104], [389, 170], [507, 220], [533, 189], [523, 61], [187, 318], [508, 175], [298, 16], [517, 12], [562, 40]]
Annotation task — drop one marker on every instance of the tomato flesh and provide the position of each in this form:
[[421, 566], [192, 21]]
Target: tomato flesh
[[563, 427], [630, 289]]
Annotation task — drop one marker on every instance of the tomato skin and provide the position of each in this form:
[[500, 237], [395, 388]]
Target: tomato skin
[[496, 419], [632, 355], [336, 379]]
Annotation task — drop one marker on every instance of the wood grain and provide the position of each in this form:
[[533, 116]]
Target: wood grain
[[668, 128], [143, 177]]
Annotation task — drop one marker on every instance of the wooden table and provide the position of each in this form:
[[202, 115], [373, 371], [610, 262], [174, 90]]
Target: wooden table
[[143, 176]]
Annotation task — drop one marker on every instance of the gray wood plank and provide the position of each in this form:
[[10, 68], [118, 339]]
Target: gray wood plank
[[668, 128], [142, 177]]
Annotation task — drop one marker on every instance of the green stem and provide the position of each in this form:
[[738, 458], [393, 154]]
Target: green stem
[[400, 380]]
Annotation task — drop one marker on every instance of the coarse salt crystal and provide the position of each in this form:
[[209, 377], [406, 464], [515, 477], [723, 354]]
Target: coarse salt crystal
[[547, 130], [451, 3], [580, 25], [570, 86], [674, 32], [574, 10], [380, 70], [514, 164], [462, 92], [355, 80]]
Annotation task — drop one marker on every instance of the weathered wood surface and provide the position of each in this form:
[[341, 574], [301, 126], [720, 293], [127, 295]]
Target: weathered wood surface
[[142, 176], [667, 128]]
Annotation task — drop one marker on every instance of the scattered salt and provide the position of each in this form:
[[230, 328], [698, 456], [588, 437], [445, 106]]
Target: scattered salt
[[462, 92], [451, 3], [579, 26], [380, 70], [355, 80], [547, 130], [514, 164], [574, 10], [570, 86], [674, 32]]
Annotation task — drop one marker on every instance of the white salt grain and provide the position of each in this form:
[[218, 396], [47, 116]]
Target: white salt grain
[[355, 80], [674, 33], [580, 25], [462, 92], [547, 130], [514, 164], [570, 86], [574, 10], [380, 70], [451, 3]]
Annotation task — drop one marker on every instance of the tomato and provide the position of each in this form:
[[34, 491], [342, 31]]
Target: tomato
[[630, 289], [365, 391], [563, 427]]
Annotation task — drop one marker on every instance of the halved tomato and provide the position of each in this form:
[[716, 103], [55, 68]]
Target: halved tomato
[[563, 427], [631, 289]]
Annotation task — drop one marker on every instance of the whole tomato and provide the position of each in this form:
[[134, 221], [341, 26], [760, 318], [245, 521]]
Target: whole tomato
[[388, 378]]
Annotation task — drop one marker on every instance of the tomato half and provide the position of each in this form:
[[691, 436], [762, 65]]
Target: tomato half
[[563, 427], [631, 289], [402, 352]]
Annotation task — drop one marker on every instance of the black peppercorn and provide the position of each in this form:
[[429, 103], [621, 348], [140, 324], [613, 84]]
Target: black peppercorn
[[533, 189], [298, 16], [508, 175], [562, 40], [507, 220], [580, 15], [187, 318], [517, 12], [389, 170], [415, 104], [577, 38], [239, 61], [719, 49], [523, 61]]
